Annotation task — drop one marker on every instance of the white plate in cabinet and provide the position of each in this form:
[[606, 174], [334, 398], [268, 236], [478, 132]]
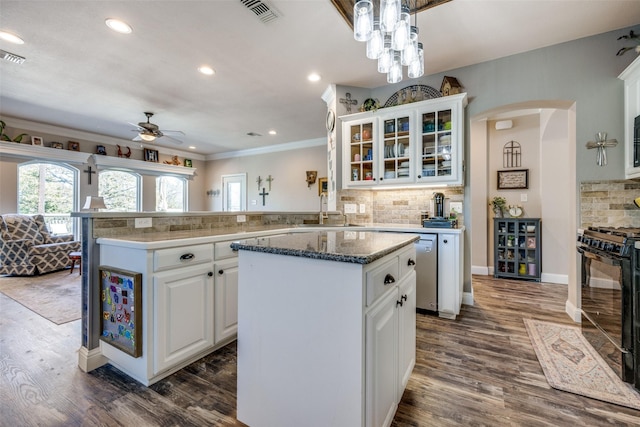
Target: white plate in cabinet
[[167, 259]]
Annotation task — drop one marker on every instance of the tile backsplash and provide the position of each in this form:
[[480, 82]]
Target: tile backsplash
[[609, 203]]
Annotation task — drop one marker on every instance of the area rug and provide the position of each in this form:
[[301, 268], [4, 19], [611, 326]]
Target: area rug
[[55, 296], [571, 364]]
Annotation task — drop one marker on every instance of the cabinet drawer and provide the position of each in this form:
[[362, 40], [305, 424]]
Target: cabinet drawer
[[165, 259], [407, 261], [376, 278], [223, 250]]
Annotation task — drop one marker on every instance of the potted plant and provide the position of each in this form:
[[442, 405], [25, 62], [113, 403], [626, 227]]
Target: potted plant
[[498, 203], [5, 137]]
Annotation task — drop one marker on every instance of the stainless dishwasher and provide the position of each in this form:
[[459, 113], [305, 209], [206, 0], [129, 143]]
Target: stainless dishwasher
[[427, 273]]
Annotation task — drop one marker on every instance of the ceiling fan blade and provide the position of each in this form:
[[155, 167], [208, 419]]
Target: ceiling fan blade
[[174, 140], [172, 131], [138, 127]]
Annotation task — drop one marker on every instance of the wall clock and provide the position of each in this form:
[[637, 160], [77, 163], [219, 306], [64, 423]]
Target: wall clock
[[331, 120], [515, 211]]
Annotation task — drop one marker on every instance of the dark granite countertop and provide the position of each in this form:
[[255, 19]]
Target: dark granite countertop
[[359, 247]]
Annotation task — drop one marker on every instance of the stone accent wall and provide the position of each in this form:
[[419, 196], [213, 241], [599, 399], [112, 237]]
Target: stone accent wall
[[609, 203], [116, 227], [399, 206]]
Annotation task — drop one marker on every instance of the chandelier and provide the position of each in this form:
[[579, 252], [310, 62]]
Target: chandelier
[[390, 37]]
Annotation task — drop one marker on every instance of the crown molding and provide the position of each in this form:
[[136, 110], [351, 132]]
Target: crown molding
[[270, 149]]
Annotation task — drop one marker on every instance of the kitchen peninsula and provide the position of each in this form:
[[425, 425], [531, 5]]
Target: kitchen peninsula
[[187, 266], [326, 327]]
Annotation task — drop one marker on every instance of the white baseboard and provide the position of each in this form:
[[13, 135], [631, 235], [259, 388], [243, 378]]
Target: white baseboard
[[88, 360], [560, 279], [481, 270], [467, 298], [574, 312]]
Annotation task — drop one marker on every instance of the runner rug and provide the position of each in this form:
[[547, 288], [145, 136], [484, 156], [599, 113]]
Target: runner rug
[[571, 364], [55, 296]]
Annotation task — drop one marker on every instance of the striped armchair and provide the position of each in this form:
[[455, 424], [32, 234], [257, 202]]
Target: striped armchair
[[27, 248]]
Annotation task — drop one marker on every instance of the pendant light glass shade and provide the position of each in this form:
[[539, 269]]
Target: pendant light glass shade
[[389, 15], [416, 68], [375, 44], [363, 20], [395, 72], [402, 31], [410, 52], [386, 57]]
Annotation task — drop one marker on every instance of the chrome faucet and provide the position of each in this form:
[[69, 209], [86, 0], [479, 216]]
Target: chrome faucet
[[323, 214]]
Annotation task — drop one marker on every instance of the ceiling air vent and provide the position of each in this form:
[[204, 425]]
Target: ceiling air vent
[[11, 57], [262, 10]]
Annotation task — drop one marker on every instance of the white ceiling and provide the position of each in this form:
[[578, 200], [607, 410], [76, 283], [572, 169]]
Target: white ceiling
[[81, 75]]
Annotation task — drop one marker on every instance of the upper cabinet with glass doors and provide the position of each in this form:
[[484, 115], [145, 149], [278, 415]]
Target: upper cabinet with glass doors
[[409, 145]]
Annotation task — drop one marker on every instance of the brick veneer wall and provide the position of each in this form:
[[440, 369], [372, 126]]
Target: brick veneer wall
[[609, 203]]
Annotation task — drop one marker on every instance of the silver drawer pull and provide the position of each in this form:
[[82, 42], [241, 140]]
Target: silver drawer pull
[[389, 279], [187, 257]]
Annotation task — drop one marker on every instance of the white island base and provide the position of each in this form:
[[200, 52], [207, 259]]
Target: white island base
[[324, 343]]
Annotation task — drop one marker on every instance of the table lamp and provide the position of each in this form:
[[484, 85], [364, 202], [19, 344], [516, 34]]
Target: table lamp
[[94, 203]]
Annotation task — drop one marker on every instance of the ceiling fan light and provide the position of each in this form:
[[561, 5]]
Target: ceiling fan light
[[147, 137], [10, 37]]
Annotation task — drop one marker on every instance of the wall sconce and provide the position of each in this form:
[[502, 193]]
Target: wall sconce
[[311, 178], [600, 144], [213, 193], [94, 203]]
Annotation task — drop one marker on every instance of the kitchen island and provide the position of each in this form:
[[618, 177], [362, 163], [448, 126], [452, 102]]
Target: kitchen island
[[326, 327]]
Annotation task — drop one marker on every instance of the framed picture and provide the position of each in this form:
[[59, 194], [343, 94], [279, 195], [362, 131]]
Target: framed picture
[[100, 149], [73, 146], [150, 155], [513, 179], [188, 163], [121, 309], [36, 140], [322, 186], [57, 145]]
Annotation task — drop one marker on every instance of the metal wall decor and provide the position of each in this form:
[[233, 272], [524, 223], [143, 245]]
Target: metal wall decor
[[348, 102], [413, 93], [511, 155]]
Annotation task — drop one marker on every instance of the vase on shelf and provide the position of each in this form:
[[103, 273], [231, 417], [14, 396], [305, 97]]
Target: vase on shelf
[[497, 212]]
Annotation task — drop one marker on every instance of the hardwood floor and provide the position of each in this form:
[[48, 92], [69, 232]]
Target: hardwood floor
[[479, 370]]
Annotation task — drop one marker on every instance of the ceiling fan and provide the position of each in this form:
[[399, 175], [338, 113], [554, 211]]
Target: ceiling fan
[[148, 131]]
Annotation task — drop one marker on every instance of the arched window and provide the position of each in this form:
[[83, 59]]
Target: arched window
[[49, 189], [120, 190], [171, 194]]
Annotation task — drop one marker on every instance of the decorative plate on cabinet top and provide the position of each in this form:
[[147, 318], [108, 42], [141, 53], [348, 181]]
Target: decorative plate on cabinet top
[[515, 211]]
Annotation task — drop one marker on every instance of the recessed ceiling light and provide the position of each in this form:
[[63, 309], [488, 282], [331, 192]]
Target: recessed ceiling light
[[118, 25], [206, 70], [192, 147], [4, 35], [272, 132], [314, 77]]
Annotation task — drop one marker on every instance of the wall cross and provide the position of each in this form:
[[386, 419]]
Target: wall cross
[[348, 102], [264, 195], [89, 172]]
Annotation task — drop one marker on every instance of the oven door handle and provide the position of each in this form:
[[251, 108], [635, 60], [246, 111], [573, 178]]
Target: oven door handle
[[612, 260]]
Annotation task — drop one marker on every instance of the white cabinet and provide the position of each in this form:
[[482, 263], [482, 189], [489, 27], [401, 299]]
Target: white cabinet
[[391, 349], [226, 299], [450, 274], [182, 315], [325, 334], [631, 77], [407, 145]]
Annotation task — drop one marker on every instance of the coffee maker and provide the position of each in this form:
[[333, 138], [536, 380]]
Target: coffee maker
[[440, 214]]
